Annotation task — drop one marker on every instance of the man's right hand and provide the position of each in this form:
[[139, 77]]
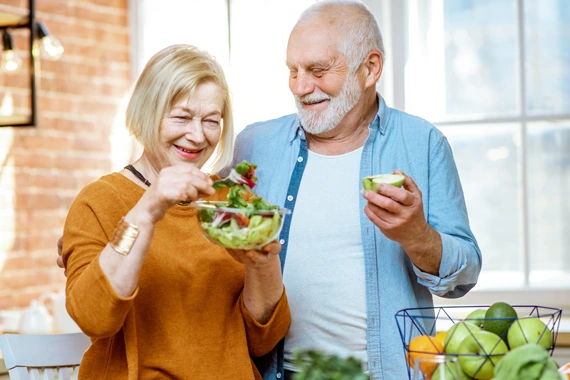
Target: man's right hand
[[59, 251]]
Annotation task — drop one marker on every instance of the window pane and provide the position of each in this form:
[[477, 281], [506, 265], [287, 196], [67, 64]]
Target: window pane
[[259, 76], [162, 27], [549, 203], [462, 59], [486, 157], [547, 37]]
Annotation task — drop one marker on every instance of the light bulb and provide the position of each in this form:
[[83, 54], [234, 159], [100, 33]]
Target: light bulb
[[10, 61], [49, 46]]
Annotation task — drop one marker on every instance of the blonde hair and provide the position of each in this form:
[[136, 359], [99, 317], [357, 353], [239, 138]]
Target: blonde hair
[[170, 75], [356, 24]]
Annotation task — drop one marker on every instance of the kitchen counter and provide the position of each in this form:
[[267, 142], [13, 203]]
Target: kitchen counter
[[563, 339]]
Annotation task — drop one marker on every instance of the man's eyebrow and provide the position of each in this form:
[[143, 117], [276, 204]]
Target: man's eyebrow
[[319, 63]]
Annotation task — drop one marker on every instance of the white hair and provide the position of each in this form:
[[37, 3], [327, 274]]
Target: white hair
[[357, 26]]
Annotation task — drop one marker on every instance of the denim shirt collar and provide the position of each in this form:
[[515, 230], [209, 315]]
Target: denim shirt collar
[[380, 121], [297, 131]]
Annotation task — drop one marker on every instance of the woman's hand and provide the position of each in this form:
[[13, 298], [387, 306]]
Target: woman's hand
[[174, 184], [263, 284], [255, 257]]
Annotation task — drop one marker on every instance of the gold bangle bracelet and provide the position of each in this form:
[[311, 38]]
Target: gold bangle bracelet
[[124, 237]]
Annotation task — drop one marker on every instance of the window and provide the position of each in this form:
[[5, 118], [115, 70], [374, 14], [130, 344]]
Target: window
[[233, 31], [494, 76]]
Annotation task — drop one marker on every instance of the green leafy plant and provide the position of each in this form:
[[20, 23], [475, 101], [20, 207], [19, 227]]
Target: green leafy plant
[[315, 365]]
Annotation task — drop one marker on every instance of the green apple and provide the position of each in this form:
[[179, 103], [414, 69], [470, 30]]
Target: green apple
[[529, 330], [455, 336], [480, 352], [476, 317], [369, 183]]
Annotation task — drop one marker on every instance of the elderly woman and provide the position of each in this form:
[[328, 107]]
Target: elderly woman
[[157, 299]]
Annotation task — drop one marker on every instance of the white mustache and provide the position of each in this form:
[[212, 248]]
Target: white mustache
[[313, 98]]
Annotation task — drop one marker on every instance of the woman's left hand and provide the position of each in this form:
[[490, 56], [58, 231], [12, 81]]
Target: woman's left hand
[[255, 257], [263, 283]]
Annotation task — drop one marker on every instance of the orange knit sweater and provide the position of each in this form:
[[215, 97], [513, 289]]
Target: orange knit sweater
[[185, 320]]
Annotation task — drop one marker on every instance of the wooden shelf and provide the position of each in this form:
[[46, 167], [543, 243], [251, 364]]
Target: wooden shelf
[[15, 120], [10, 19]]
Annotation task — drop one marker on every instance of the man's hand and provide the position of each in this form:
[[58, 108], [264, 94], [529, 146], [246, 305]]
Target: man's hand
[[59, 252], [399, 214]]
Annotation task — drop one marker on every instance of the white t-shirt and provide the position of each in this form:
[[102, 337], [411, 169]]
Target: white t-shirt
[[324, 269]]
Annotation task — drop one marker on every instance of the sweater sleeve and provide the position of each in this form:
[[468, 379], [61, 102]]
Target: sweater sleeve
[[91, 300], [261, 338]]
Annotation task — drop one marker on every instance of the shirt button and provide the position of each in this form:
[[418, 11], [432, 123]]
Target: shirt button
[[289, 198], [300, 159], [282, 241], [278, 375]]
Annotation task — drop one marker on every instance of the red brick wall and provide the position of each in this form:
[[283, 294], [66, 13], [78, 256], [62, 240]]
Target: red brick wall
[[43, 168]]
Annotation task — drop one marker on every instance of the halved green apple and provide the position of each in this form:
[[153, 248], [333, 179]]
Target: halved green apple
[[369, 183]]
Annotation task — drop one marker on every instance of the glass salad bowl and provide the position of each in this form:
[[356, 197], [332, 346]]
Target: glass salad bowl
[[239, 228]]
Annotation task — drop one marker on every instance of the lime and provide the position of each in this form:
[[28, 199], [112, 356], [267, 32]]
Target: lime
[[498, 318], [369, 183]]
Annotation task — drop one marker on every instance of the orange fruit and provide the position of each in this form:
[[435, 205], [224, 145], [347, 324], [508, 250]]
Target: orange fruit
[[441, 336], [424, 346], [565, 369]]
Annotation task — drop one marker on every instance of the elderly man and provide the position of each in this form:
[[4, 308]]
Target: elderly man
[[351, 260]]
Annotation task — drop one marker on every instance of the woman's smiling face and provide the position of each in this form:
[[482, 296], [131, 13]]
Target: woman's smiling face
[[190, 131]]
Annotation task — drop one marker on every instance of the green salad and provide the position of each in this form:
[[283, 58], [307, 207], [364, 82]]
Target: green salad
[[242, 223]]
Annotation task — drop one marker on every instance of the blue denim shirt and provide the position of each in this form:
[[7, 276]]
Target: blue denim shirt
[[396, 141]]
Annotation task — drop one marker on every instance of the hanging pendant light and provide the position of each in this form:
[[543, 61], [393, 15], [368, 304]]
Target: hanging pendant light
[[41, 44], [10, 62], [49, 47]]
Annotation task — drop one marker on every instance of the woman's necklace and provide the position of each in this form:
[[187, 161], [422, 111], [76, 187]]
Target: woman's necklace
[[138, 174]]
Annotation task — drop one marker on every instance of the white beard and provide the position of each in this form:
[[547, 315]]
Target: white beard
[[317, 122]]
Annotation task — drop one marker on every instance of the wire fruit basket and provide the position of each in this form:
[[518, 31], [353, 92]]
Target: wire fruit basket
[[429, 321]]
